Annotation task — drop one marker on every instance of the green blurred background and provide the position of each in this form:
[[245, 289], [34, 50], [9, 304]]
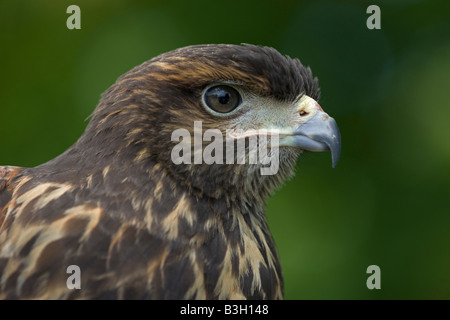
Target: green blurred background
[[386, 203]]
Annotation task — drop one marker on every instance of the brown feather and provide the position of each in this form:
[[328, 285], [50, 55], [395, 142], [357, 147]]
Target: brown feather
[[138, 226]]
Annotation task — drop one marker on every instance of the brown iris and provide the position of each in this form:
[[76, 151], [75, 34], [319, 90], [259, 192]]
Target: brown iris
[[222, 98]]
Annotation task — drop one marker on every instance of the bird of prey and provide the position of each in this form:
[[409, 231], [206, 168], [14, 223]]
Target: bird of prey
[[137, 224]]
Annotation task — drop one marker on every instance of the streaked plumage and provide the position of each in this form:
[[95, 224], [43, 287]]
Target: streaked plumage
[[138, 226]]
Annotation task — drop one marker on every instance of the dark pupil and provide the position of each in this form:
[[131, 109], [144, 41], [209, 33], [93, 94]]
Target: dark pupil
[[224, 97]]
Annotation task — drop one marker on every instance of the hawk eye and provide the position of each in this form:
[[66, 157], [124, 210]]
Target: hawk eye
[[222, 98]]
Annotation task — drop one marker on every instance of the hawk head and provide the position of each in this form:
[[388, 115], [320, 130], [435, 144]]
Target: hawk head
[[246, 93], [163, 196]]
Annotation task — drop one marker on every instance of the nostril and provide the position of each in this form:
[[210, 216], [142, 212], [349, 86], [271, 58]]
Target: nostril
[[303, 113]]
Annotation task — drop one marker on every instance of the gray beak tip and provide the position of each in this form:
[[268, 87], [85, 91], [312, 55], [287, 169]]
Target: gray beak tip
[[320, 133], [335, 144]]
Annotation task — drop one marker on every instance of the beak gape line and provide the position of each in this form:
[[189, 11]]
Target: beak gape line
[[262, 147]]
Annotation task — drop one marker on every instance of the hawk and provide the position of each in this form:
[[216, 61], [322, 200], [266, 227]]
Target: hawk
[[140, 225]]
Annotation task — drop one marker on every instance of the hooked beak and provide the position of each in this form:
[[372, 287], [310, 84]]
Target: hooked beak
[[320, 133]]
